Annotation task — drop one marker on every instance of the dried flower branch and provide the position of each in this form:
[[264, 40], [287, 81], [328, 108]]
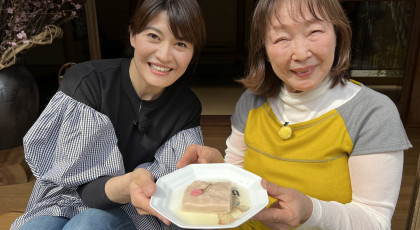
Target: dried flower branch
[[26, 23]]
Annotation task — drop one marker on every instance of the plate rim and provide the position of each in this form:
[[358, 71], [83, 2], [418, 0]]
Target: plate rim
[[195, 167]]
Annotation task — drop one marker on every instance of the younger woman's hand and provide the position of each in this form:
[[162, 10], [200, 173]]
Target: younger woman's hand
[[141, 189], [136, 187]]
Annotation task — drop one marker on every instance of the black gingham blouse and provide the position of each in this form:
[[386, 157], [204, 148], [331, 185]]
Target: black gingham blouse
[[75, 145], [72, 144]]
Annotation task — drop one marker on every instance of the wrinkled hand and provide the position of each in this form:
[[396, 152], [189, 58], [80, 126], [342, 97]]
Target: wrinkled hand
[[200, 154], [142, 188], [291, 209]]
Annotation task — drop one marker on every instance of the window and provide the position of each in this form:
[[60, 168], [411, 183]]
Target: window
[[380, 44], [381, 35]]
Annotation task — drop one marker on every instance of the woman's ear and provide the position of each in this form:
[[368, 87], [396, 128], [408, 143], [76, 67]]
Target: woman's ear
[[132, 37]]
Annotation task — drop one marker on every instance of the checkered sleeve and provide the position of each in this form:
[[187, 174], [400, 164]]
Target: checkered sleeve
[[165, 162], [72, 144], [169, 154], [69, 145]]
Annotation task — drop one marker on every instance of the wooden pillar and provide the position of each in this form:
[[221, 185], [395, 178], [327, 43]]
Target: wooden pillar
[[413, 218], [413, 117], [92, 28], [412, 89]]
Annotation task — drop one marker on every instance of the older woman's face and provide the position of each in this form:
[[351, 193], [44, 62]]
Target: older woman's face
[[301, 52]]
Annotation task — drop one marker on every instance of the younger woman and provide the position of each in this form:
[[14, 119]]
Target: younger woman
[[115, 126]]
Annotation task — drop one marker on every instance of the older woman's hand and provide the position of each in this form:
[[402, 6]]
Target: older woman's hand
[[200, 154], [291, 209]]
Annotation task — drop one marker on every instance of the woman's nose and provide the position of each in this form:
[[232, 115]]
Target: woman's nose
[[301, 49], [164, 52]]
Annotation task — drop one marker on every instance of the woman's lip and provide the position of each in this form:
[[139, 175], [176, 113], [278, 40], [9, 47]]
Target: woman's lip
[[301, 72], [159, 68]]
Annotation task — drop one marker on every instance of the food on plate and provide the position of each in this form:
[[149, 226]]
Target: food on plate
[[203, 196], [220, 198]]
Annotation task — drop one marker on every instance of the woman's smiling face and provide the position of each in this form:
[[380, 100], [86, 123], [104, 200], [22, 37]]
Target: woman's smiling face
[[159, 58], [300, 49]]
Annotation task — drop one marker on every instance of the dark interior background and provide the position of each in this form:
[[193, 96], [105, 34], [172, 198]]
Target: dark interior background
[[382, 31]]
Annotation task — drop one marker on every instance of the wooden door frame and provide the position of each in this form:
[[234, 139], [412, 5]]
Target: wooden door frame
[[409, 103]]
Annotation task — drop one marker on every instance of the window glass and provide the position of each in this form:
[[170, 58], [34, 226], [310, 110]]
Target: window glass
[[381, 36]]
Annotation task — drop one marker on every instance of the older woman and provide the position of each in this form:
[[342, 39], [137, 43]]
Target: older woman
[[331, 148]]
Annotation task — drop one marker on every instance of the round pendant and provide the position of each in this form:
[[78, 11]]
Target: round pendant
[[285, 132]]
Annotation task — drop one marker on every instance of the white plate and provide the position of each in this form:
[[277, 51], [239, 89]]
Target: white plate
[[170, 188]]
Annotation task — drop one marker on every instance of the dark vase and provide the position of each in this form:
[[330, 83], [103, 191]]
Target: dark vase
[[19, 104]]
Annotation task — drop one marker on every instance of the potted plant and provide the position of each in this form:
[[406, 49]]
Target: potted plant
[[24, 24], [27, 23]]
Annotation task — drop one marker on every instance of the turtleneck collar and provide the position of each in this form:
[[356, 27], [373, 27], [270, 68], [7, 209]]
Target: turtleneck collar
[[304, 97]]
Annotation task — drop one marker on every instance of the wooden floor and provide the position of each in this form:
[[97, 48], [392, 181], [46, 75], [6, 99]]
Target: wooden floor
[[216, 129]]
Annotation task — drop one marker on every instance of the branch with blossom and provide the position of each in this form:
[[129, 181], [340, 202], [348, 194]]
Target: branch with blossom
[[27, 23]]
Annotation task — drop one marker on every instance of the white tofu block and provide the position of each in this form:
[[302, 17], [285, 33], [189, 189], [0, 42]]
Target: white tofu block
[[216, 197]]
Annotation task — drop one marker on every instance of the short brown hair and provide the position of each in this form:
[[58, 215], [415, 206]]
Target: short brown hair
[[261, 78], [185, 20]]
